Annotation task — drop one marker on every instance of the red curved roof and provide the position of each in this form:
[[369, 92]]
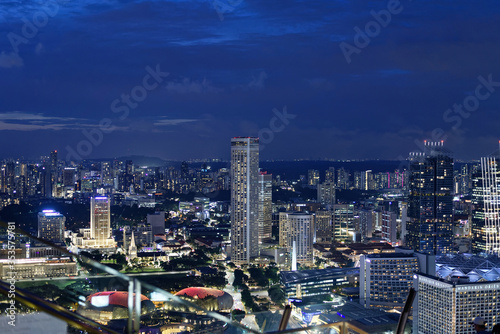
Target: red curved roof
[[200, 292], [115, 297]]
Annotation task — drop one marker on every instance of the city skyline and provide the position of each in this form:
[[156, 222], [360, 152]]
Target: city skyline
[[174, 79]]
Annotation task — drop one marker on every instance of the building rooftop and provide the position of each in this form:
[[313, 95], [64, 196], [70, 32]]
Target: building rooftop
[[295, 276]]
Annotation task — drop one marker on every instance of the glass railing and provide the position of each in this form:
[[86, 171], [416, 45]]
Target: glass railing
[[47, 289]]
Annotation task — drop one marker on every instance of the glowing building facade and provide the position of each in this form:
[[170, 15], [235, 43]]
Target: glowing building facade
[[100, 222], [244, 199], [51, 226], [430, 204], [297, 228], [485, 223]]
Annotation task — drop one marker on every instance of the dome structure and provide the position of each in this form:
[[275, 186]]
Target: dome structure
[[110, 305], [210, 299]]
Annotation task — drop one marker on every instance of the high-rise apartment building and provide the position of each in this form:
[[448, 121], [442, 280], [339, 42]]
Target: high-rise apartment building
[[430, 204], [312, 177], [296, 235], [51, 226], [265, 206], [326, 194], [244, 199], [485, 224]]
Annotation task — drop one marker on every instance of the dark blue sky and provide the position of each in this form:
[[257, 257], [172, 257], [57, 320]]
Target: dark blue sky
[[230, 63]]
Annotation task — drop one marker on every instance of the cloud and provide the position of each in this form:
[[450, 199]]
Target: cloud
[[186, 86], [164, 122], [22, 121], [9, 60]]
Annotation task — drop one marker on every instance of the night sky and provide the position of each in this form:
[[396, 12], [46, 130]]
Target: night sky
[[234, 65]]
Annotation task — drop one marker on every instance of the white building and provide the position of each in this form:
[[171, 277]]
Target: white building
[[386, 279], [244, 199], [448, 306], [297, 228]]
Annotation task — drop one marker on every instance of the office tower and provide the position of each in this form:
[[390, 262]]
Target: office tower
[[265, 219], [244, 199], [343, 217], [430, 203], [157, 222], [100, 222], [386, 279], [312, 177], [449, 306], [366, 223], [51, 226], [389, 226], [298, 229], [485, 224], [69, 177], [323, 223]]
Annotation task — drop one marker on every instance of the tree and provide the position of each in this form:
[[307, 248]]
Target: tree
[[271, 273], [238, 278], [276, 294], [258, 276]]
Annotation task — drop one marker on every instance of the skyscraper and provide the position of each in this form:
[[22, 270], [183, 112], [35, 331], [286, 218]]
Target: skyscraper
[[485, 224], [430, 203], [343, 220], [265, 206], [51, 226], [244, 199], [100, 222], [323, 224]]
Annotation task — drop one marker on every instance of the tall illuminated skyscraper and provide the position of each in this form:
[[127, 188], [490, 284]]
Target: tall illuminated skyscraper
[[265, 206], [430, 204], [244, 199], [100, 222], [485, 223]]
